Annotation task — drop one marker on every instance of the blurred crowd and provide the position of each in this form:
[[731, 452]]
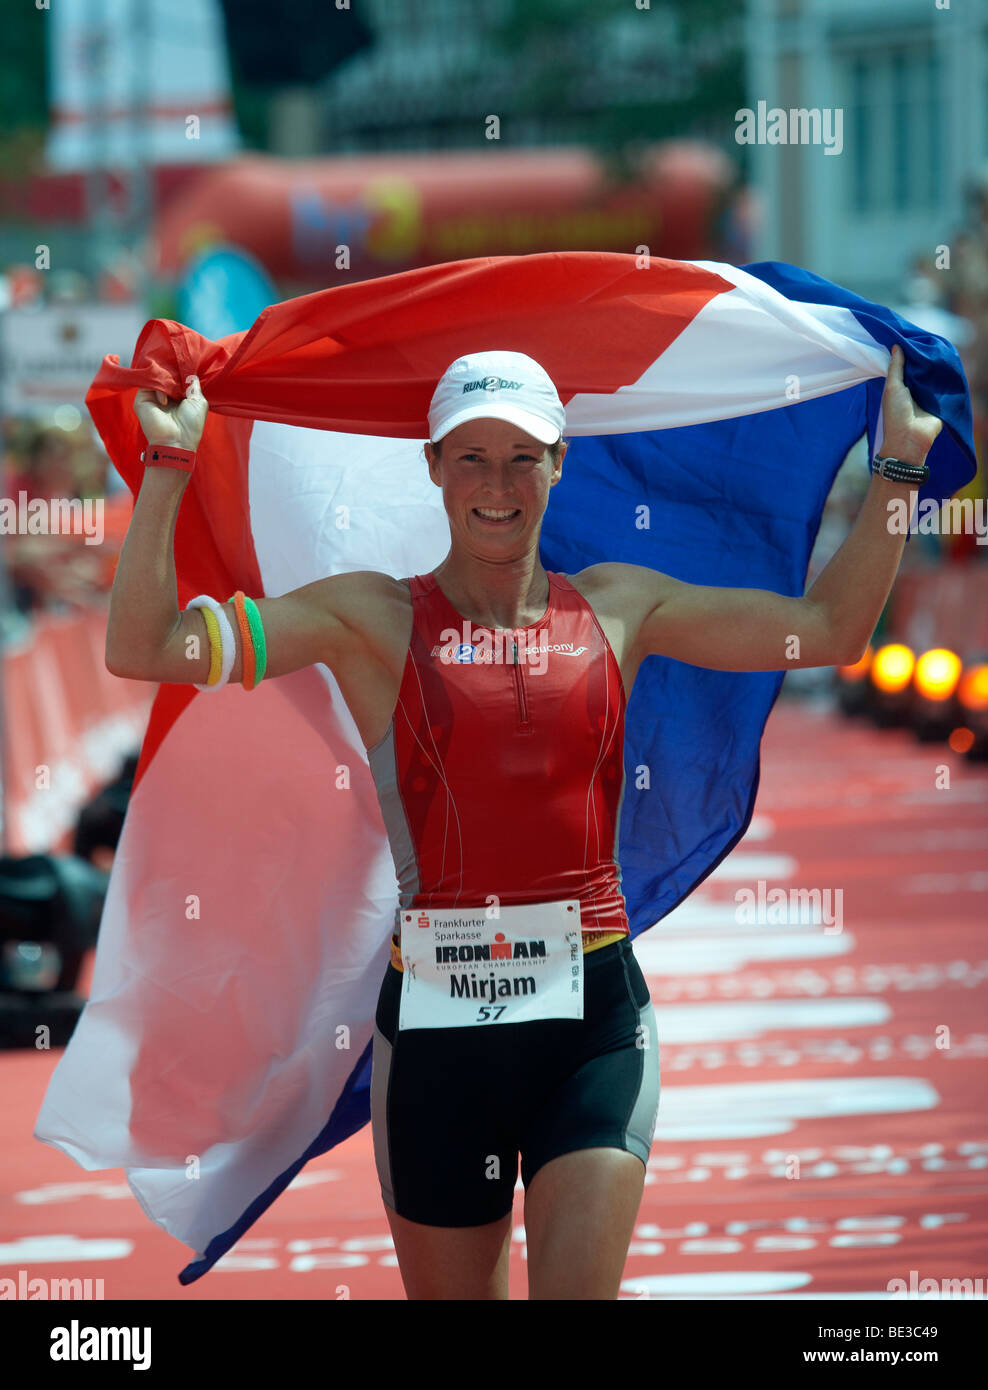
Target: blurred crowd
[[968, 297], [952, 300], [60, 571]]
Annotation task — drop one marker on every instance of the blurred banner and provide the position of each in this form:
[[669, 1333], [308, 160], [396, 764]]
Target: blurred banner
[[49, 353], [138, 81], [333, 220]]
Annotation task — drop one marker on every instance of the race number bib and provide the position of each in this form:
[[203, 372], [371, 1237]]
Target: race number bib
[[464, 969]]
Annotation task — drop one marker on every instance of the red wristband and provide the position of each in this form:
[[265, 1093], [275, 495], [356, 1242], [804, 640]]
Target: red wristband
[[169, 456]]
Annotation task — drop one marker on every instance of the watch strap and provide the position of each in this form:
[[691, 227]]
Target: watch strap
[[898, 471]]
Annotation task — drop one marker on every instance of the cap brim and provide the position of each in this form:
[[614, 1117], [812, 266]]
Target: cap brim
[[534, 425]]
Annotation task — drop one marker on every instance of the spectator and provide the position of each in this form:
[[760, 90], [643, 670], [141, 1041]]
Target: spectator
[[61, 570]]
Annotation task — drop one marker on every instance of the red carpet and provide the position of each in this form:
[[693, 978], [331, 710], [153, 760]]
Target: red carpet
[[821, 1127]]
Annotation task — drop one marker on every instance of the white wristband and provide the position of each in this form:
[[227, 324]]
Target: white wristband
[[228, 642]]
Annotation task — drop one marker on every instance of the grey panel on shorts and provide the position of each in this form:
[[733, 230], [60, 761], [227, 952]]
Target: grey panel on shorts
[[640, 1128], [380, 1078]]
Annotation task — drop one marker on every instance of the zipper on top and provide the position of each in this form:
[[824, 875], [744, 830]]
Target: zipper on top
[[524, 725]]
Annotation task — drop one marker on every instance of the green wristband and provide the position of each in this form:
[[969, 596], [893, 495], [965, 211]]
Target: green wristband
[[257, 634]]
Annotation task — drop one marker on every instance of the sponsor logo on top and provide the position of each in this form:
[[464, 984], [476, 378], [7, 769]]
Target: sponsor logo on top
[[500, 647]]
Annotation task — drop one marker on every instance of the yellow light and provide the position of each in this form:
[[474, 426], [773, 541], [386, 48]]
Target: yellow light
[[860, 668], [937, 673], [973, 693], [892, 667]]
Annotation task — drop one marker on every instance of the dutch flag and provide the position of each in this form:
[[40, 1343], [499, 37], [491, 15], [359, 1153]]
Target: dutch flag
[[246, 927]]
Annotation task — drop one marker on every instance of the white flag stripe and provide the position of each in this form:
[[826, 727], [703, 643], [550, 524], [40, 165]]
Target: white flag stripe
[[752, 340]]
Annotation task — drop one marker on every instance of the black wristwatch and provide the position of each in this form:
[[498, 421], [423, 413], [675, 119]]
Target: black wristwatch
[[899, 472]]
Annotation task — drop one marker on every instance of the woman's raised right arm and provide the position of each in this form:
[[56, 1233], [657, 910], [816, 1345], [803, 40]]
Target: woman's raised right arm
[[146, 635]]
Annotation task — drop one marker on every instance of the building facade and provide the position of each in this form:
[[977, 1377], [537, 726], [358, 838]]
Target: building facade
[[910, 80]]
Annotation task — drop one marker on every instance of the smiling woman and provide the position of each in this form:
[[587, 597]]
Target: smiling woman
[[500, 778], [524, 455], [495, 488], [488, 777], [495, 449], [476, 450], [501, 782]]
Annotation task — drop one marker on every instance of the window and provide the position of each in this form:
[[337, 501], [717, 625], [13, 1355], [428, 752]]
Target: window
[[893, 134]]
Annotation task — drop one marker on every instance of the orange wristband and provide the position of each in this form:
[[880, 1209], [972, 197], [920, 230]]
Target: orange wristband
[[247, 678]]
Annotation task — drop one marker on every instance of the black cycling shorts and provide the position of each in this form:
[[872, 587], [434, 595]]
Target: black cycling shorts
[[451, 1108]]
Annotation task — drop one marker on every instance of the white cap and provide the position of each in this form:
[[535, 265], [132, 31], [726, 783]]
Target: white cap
[[506, 385]]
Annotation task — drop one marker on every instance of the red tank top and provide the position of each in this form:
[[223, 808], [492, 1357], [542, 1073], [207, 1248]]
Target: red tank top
[[506, 777]]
